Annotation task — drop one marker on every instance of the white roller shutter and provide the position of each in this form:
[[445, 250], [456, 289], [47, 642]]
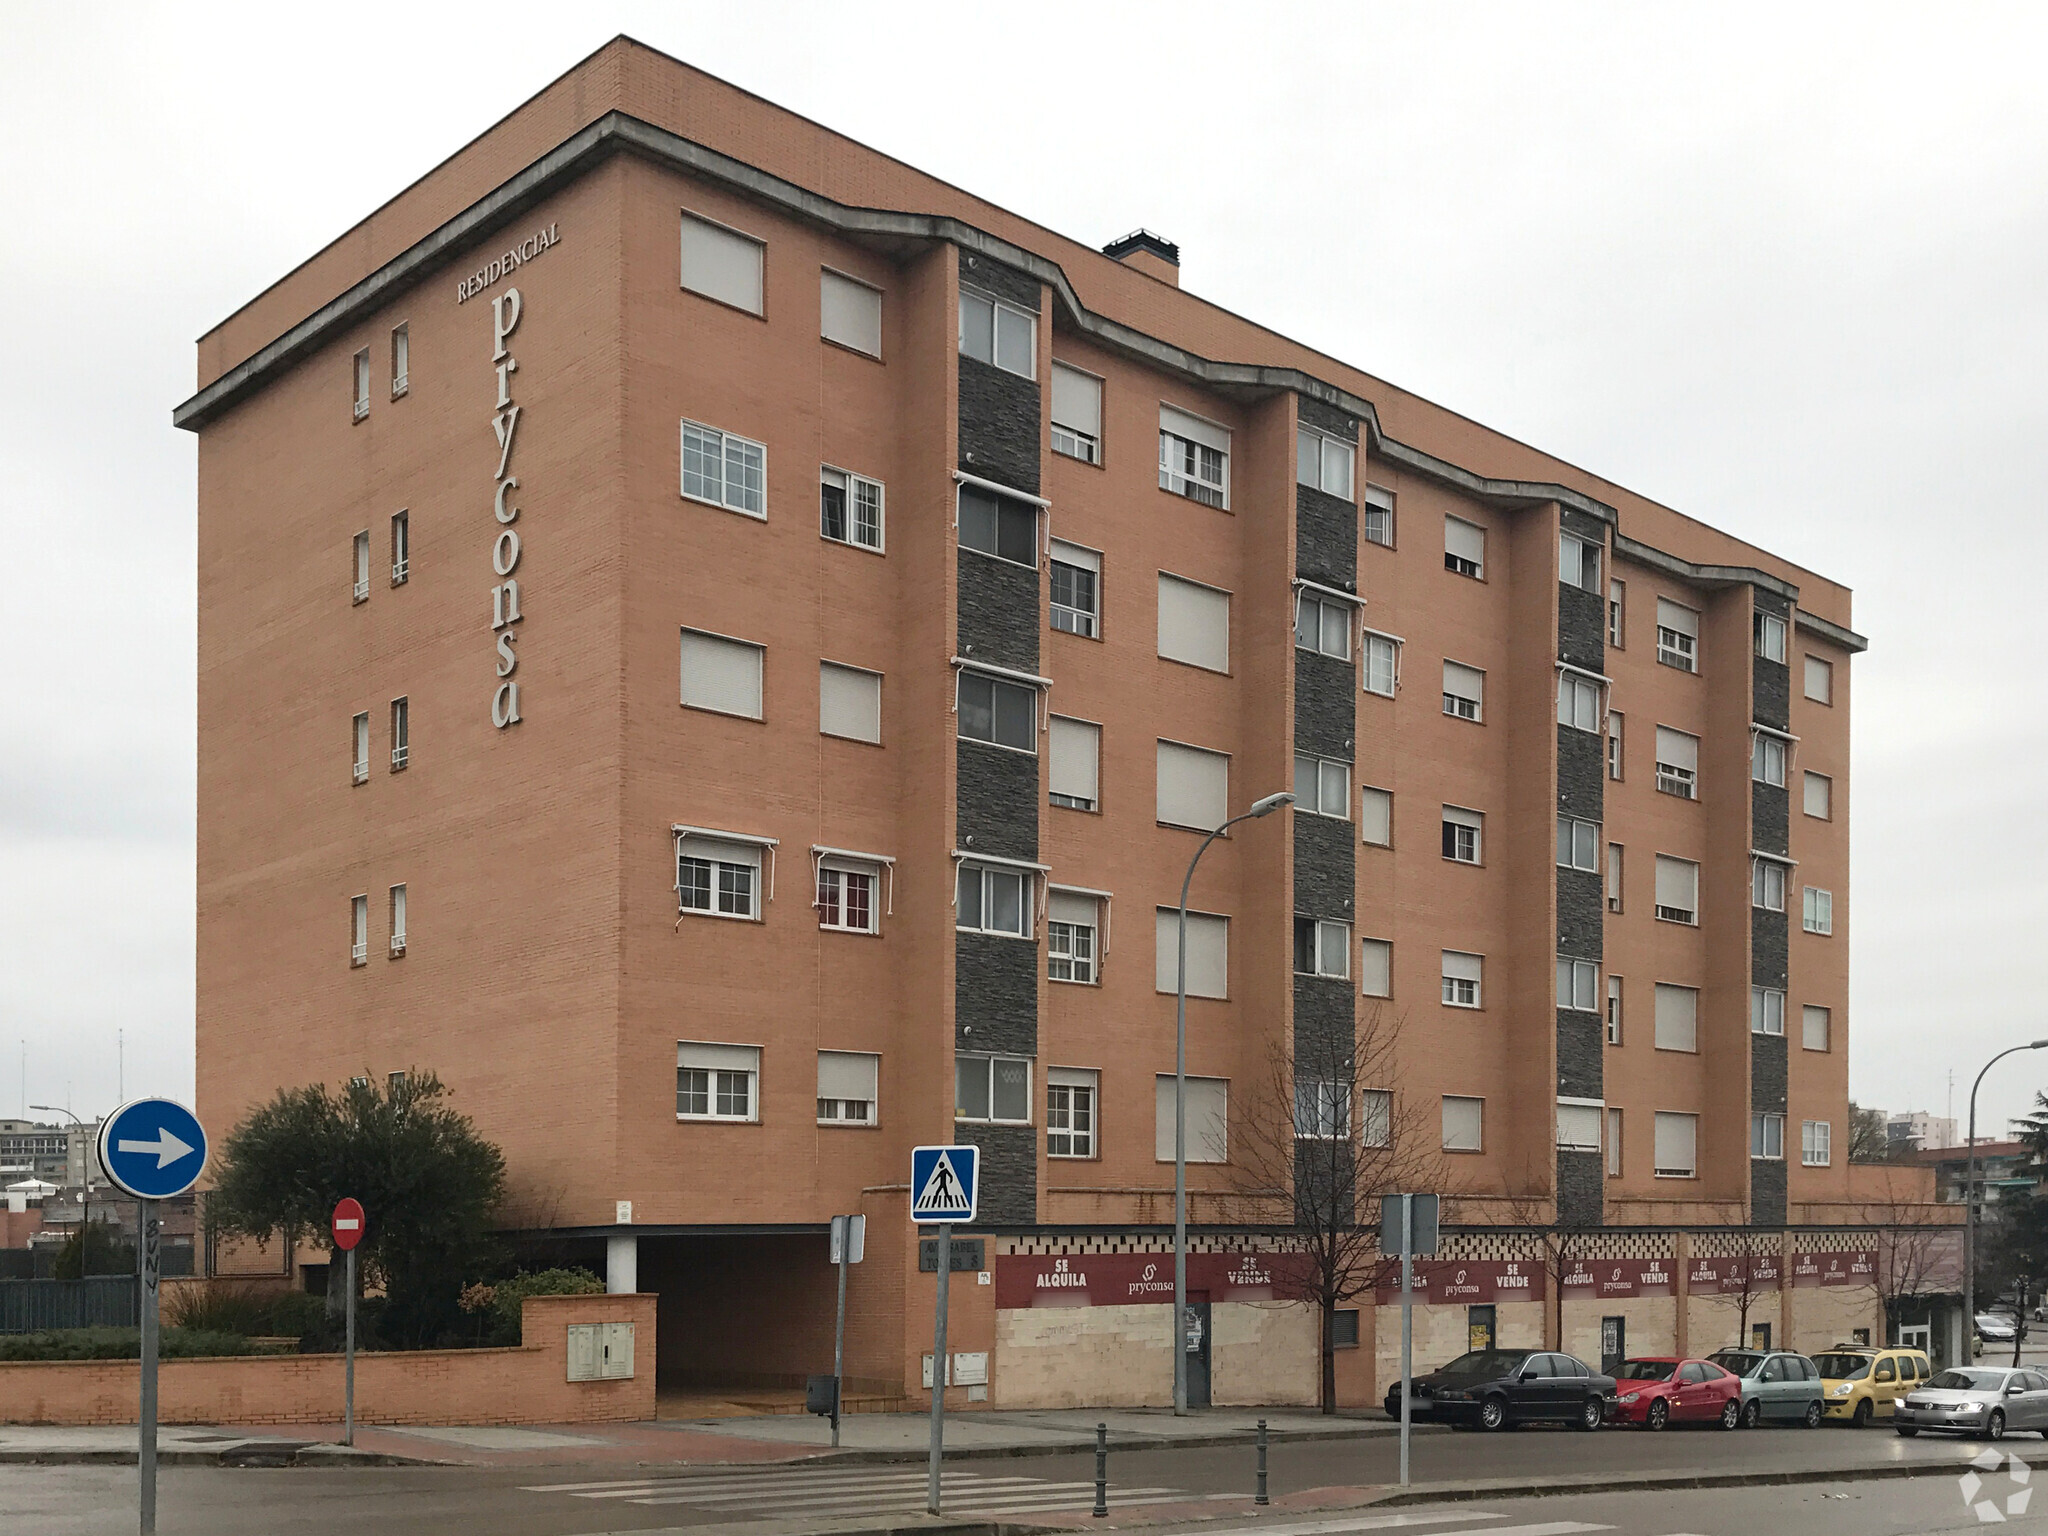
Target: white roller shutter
[[1376, 968], [1578, 1127], [1077, 400], [1376, 817], [1194, 623], [1194, 429], [850, 313], [1193, 787], [1677, 1144], [1464, 1124], [1075, 554], [1208, 953], [1678, 883], [1679, 749], [1820, 792], [721, 674], [1208, 1132], [849, 702], [722, 264], [1672, 615], [1076, 748], [848, 1075], [1467, 541], [1082, 911], [705, 1057], [1678, 1018], [1465, 682]]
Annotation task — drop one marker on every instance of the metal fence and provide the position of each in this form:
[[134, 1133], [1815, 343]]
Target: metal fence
[[104, 1301]]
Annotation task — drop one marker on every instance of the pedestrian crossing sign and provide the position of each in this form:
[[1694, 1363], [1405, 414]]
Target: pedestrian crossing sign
[[944, 1182]]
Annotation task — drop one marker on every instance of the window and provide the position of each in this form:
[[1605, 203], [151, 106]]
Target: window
[[717, 1082], [1382, 664], [999, 525], [1578, 702], [401, 548], [1193, 787], [1076, 599], [359, 764], [1817, 911], [1376, 1117], [1614, 866], [994, 900], [401, 734], [1820, 680], [1208, 1118], [1770, 637], [1677, 1142], [1070, 1099], [1194, 623], [846, 896], [1322, 785], [1464, 1123], [1614, 1010], [359, 930], [1578, 565], [362, 384], [1813, 1028], [1322, 948], [1070, 937], [1578, 1126], [1678, 1018], [1678, 635], [397, 911], [849, 508], [1379, 516], [849, 312], [1678, 890], [1322, 1110], [1820, 796], [1463, 833], [1767, 884], [1815, 1138], [1464, 691], [1323, 462], [1767, 759], [1578, 844], [722, 264], [1614, 724], [1678, 763], [1376, 967], [718, 879], [1767, 1136], [1461, 978], [1208, 953], [1464, 547], [1578, 984], [1617, 614], [1076, 414], [726, 470], [849, 702], [998, 333], [1322, 624], [721, 675], [848, 1087], [401, 349], [1075, 750], [359, 566], [1376, 817], [1194, 458], [1766, 1011], [1003, 714], [1614, 1143]]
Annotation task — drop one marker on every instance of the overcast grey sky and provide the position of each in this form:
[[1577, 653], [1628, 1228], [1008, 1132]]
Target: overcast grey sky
[[1777, 266]]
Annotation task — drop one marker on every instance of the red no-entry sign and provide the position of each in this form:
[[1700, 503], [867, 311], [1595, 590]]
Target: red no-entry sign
[[347, 1223]]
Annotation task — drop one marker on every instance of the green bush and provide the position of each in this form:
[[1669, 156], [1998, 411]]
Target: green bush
[[502, 1302], [122, 1344], [253, 1311]]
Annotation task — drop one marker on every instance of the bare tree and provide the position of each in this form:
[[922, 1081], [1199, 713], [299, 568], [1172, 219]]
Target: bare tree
[[1564, 1245], [1915, 1257], [1750, 1246]]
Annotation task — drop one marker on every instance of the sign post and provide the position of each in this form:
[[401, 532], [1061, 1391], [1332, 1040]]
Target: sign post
[[944, 1182], [153, 1149], [347, 1227], [1408, 1225], [849, 1246]]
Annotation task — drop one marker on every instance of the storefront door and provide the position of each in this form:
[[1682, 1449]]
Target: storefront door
[[1613, 1343], [1479, 1327], [1195, 1340]]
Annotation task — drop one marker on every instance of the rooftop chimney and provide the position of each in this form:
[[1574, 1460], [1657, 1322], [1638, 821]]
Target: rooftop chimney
[[1151, 254]]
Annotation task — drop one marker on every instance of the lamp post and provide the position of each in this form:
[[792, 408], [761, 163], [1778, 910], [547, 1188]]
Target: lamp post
[[1970, 1205], [1265, 807], [85, 1198]]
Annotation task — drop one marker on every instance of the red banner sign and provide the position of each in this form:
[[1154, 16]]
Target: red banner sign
[[1731, 1274], [1127, 1279], [1856, 1268], [1450, 1282], [1619, 1279]]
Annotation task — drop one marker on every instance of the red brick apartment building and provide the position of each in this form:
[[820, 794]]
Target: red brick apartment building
[[715, 642]]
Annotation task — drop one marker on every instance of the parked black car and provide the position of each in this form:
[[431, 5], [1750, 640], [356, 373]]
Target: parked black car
[[1494, 1388]]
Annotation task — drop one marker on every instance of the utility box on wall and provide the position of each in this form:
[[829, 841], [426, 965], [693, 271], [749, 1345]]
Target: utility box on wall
[[600, 1351]]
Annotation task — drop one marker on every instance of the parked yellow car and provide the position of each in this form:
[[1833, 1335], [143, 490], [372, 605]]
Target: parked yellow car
[[1864, 1384]]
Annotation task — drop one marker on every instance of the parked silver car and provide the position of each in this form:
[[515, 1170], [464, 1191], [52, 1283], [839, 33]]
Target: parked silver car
[[1778, 1386], [1981, 1400]]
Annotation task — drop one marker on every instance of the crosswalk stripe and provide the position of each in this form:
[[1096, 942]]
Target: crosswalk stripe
[[1379, 1523], [1547, 1528], [854, 1495], [711, 1489]]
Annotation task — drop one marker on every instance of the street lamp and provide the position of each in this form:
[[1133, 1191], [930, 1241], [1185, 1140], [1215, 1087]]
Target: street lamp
[[1970, 1205], [1265, 807], [84, 1199]]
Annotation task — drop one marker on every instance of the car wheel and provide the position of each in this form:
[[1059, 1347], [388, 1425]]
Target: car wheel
[[1659, 1416], [1393, 1406], [1994, 1427], [1908, 1431], [1592, 1414], [1752, 1413], [1814, 1414], [1493, 1413], [1731, 1414], [1862, 1415]]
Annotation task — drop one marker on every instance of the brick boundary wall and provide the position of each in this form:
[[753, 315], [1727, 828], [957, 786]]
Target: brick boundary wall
[[525, 1385]]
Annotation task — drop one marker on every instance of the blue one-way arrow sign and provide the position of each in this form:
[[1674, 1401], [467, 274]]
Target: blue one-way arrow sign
[[153, 1148]]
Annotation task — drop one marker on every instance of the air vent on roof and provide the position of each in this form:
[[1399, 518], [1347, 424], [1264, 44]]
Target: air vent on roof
[[1148, 253]]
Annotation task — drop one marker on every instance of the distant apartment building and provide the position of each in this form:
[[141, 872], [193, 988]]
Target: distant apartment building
[[32, 1150], [1920, 1131]]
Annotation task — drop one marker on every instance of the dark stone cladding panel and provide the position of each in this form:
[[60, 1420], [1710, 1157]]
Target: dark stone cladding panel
[[998, 425], [1766, 1192], [1581, 628], [1579, 913], [1767, 1055], [1005, 282], [1770, 816], [1582, 525], [1325, 866], [1325, 539], [995, 994], [999, 611], [1009, 1173], [1324, 1029], [998, 809], [1773, 701], [1581, 773], [1326, 418], [1580, 1040], [1324, 1172], [1579, 1189], [1769, 941], [1325, 705]]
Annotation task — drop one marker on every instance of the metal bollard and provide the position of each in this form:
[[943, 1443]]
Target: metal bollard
[[1260, 1496], [1101, 1509]]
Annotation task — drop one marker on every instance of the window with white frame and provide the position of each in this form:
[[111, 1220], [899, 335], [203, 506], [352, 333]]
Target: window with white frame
[[359, 566], [849, 702], [1323, 462], [1378, 522], [362, 384], [1678, 763], [1819, 796], [1076, 414], [997, 333], [721, 263], [1767, 884], [1194, 458], [1002, 713], [1002, 526], [1678, 890], [1813, 1028], [1677, 1145], [1816, 1138], [397, 915], [1578, 563], [1322, 948], [1382, 671], [1615, 856], [1376, 1117], [1770, 637], [717, 1082], [1617, 614], [1820, 680], [1462, 974], [401, 547], [846, 896], [1194, 623], [849, 508], [1678, 1018], [1464, 547], [1464, 1123], [1578, 844], [1322, 785], [359, 764], [1766, 1011], [1376, 967], [1678, 635], [1767, 759], [1208, 1118], [1376, 817], [1767, 1136], [725, 470], [1464, 835], [1322, 1109], [1578, 1125], [721, 674], [1323, 624], [1614, 1143], [1076, 590], [359, 930], [1614, 726], [1578, 702], [1464, 691], [849, 312], [401, 359], [1208, 953], [848, 1087], [1071, 1096], [718, 879], [1578, 984], [401, 733], [1074, 769], [1817, 910], [992, 899], [1193, 787], [1073, 924], [1614, 1010]]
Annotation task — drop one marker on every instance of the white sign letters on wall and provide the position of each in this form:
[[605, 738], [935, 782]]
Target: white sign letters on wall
[[506, 309]]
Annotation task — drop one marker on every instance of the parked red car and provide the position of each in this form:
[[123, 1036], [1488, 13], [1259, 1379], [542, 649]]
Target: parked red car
[[1658, 1391]]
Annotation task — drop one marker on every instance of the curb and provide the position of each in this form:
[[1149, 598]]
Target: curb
[[1651, 1482], [283, 1453]]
